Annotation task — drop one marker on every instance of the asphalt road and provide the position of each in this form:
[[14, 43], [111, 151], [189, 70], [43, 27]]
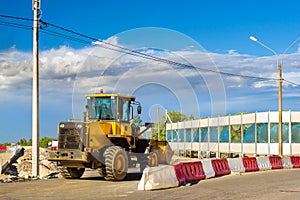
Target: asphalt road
[[273, 184]]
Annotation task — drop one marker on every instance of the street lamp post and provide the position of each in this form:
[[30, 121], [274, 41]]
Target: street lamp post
[[279, 87]]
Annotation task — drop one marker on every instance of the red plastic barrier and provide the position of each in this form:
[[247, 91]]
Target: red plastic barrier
[[179, 173], [188, 172], [295, 160], [275, 162], [3, 148], [193, 171], [220, 167], [250, 164]]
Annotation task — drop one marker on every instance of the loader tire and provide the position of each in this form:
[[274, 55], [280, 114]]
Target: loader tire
[[71, 173], [116, 163], [102, 171], [149, 161], [153, 159], [144, 162]]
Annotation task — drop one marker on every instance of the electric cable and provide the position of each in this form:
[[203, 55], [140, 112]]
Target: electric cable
[[118, 48], [292, 83], [22, 26], [14, 17], [150, 57]]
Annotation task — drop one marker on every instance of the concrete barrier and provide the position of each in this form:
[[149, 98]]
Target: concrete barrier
[[263, 163], [236, 165], [158, 178], [208, 168]]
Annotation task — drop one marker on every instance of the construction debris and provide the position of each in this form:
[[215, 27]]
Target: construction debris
[[18, 166], [8, 167]]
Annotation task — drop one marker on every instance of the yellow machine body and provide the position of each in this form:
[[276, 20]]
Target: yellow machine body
[[107, 136]]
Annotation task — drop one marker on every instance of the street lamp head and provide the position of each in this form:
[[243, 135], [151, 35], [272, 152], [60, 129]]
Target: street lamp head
[[253, 38]]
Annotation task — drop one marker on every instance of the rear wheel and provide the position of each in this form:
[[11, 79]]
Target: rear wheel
[[71, 173], [116, 163]]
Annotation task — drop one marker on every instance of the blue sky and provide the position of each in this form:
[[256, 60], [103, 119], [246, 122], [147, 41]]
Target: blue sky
[[209, 34]]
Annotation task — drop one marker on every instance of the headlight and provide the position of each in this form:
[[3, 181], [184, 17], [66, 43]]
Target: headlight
[[62, 125], [79, 126]]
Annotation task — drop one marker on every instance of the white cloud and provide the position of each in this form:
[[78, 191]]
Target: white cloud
[[96, 67], [233, 52], [263, 84], [112, 40]]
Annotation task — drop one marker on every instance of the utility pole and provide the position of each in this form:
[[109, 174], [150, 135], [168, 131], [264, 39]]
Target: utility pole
[[158, 123], [280, 110], [280, 147], [35, 90]]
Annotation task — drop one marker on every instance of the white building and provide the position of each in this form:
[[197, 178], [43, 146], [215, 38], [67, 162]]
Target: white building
[[254, 133]]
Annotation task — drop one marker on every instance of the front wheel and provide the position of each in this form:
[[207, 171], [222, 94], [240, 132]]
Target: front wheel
[[102, 171], [116, 163], [153, 159], [148, 161]]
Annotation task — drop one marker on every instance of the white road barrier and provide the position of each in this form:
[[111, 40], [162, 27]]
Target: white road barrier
[[208, 169], [263, 163], [236, 165], [286, 162], [158, 178]]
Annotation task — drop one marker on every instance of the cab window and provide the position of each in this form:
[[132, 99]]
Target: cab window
[[101, 108], [124, 108]]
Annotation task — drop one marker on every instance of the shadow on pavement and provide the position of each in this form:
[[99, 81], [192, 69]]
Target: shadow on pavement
[[129, 177]]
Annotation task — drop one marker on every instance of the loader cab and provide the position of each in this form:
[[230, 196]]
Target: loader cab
[[111, 107]]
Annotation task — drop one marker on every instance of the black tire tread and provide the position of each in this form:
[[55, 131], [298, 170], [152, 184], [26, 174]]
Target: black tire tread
[[109, 155], [71, 173]]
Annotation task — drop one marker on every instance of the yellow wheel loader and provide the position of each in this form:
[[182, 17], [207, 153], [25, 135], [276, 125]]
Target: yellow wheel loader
[[106, 140]]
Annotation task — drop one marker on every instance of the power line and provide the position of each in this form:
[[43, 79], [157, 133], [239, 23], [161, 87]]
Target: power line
[[22, 26], [53, 33], [14, 17], [292, 83], [122, 49], [150, 57]]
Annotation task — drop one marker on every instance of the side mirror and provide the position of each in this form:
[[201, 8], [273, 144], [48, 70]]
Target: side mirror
[[139, 109]]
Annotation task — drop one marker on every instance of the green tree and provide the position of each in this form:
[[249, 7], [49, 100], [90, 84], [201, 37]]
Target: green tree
[[244, 113], [5, 144], [136, 120], [162, 131], [192, 117], [22, 142], [44, 142], [176, 116], [29, 143]]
